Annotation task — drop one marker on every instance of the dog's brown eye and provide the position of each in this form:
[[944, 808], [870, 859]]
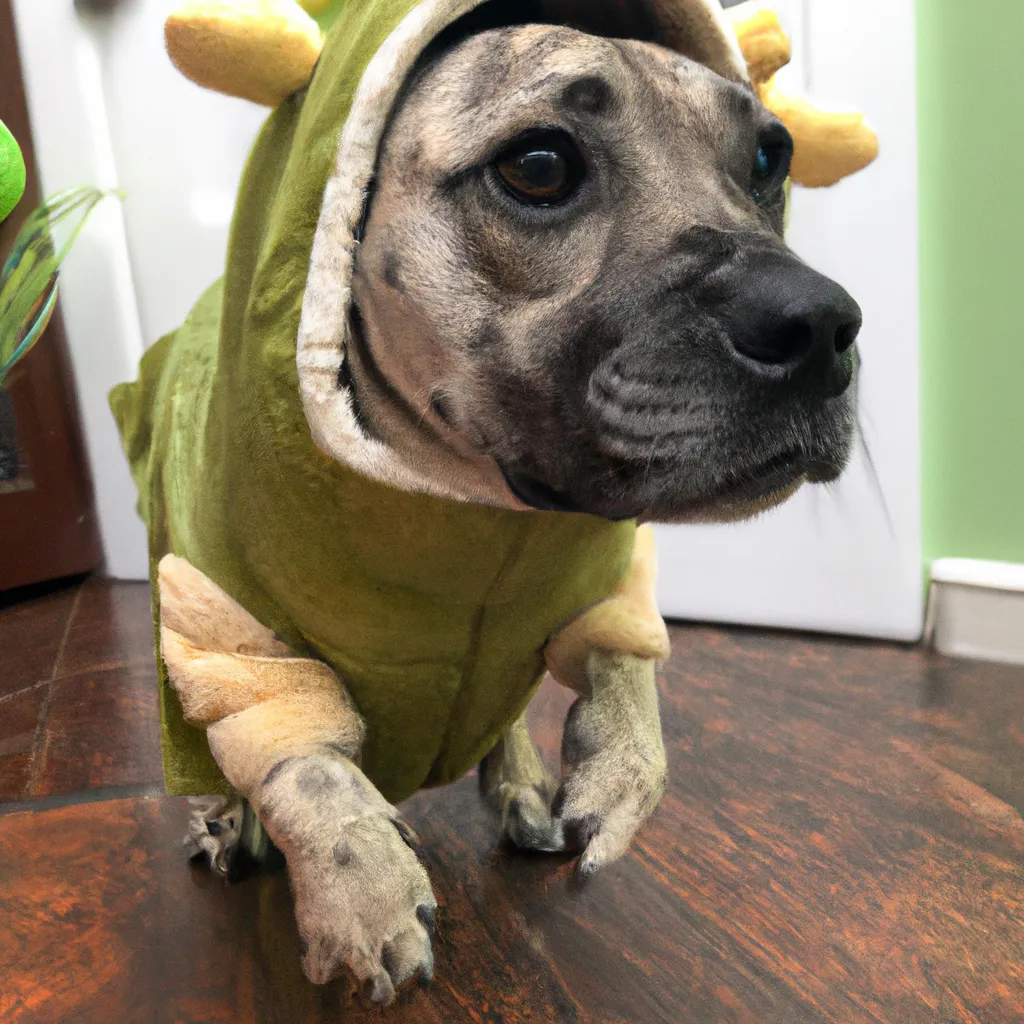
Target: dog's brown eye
[[541, 170]]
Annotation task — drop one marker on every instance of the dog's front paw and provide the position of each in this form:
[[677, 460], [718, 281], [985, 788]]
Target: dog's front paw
[[526, 817], [603, 803], [368, 905], [362, 898], [615, 780]]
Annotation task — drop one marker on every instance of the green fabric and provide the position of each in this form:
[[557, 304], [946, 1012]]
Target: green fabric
[[329, 15], [434, 614]]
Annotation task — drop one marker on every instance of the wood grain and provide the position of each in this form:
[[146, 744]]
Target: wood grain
[[841, 841], [112, 628], [33, 623], [14, 775], [102, 729], [19, 717]]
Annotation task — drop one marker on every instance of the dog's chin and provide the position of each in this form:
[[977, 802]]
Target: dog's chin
[[754, 491], [658, 497], [735, 505]]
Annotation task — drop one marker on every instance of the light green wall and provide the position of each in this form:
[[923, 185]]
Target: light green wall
[[971, 102]]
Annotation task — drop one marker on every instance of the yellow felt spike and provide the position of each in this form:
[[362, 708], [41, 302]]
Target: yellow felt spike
[[259, 50], [827, 147], [766, 48]]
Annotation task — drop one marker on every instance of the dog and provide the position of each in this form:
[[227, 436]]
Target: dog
[[567, 299], [622, 286]]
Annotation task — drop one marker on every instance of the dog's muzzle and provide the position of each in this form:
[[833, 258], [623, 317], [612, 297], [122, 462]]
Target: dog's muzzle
[[728, 390]]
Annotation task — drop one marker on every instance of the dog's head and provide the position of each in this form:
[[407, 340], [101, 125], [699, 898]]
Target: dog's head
[[572, 291]]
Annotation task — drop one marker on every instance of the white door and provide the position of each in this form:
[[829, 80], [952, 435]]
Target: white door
[[846, 559], [109, 108]]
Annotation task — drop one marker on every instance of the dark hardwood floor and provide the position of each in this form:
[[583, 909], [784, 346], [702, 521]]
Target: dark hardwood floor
[[78, 705], [841, 841]]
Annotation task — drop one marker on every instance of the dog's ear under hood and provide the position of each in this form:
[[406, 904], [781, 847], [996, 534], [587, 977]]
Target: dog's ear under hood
[[390, 37]]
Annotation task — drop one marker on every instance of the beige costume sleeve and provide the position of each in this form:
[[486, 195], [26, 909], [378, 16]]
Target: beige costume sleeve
[[626, 622], [259, 702]]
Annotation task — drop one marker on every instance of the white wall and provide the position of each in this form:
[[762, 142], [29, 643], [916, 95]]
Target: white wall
[[108, 108]]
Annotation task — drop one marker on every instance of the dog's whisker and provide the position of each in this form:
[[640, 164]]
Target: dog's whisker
[[873, 476]]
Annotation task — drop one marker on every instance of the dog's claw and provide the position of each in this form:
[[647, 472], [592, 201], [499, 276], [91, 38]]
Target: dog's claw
[[214, 832], [427, 917]]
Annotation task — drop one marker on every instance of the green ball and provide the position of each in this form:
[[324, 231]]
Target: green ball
[[12, 172]]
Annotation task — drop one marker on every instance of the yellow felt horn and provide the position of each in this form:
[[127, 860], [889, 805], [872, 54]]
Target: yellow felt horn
[[259, 50], [827, 146]]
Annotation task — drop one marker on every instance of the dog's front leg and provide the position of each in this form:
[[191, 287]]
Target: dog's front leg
[[287, 738], [515, 782], [614, 757], [612, 752]]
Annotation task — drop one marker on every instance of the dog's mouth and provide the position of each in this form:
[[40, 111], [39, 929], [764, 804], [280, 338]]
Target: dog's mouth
[[536, 494], [760, 487], [743, 492], [756, 482]]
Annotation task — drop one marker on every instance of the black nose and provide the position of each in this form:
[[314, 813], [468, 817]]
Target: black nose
[[781, 313]]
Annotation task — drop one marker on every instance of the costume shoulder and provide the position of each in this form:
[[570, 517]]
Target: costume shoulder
[[626, 622]]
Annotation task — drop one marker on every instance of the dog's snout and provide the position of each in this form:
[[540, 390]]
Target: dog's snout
[[784, 314]]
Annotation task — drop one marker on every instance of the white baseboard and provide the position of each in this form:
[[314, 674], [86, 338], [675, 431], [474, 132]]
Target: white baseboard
[[976, 609]]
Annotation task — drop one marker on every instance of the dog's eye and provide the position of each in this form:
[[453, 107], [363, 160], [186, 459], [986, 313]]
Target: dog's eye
[[542, 170], [771, 163]]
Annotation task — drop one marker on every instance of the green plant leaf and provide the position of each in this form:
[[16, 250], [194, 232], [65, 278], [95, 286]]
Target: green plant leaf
[[28, 278]]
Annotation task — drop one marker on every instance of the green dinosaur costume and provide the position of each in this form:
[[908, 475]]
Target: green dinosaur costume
[[435, 613]]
